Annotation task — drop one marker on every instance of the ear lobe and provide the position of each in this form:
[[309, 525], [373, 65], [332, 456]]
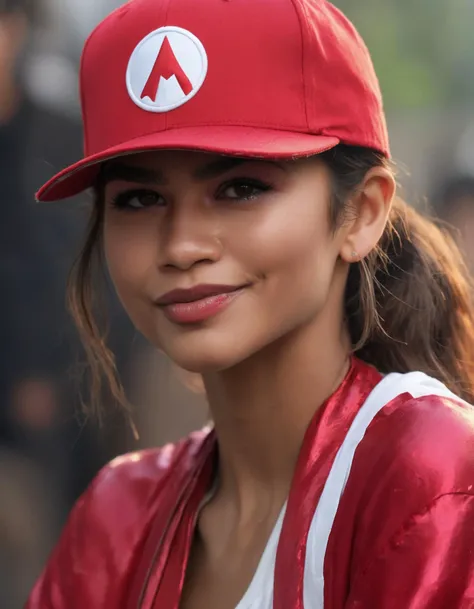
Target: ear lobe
[[372, 203]]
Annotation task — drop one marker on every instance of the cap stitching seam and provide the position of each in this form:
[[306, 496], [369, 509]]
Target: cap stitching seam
[[297, 7]]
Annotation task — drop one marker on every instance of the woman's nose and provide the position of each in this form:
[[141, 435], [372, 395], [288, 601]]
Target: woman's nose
[[190, 237]]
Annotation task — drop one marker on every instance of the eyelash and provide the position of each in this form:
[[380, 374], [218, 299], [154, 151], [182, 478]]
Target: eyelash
[[122, 200]]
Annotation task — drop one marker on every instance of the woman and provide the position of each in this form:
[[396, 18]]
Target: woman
[[246, 207]]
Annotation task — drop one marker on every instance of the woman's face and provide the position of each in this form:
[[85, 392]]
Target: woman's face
[[216, 258]]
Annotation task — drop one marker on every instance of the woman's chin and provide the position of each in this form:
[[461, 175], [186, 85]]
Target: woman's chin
[[206, 361], [211, 349]]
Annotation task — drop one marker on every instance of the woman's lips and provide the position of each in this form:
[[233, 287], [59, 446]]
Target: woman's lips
[[197, 304]]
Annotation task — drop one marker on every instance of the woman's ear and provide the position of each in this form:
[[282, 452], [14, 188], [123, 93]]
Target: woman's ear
[[371, 204]]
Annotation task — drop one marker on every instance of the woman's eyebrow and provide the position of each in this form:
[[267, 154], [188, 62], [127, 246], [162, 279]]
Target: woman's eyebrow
[[113, 172]]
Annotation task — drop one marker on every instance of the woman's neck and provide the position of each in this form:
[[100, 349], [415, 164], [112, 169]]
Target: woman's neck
[[262, 407]]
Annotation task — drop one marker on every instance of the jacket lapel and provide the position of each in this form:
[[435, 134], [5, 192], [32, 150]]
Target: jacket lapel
[[323, 439], [162, 564]]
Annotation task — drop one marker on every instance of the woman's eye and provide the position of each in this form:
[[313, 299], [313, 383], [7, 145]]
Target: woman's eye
[[137, 199], [243, 190]]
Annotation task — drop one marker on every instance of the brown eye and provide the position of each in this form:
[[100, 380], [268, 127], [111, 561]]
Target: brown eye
[[146, 199], [137, 199], [243, 190]]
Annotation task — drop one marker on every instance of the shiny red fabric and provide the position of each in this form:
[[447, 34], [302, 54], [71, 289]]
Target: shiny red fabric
[[403, 537]]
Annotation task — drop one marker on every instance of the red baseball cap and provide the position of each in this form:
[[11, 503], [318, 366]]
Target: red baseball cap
[[253, 78]]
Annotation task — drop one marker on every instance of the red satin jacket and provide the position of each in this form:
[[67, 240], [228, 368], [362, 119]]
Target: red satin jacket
[[403, 536]]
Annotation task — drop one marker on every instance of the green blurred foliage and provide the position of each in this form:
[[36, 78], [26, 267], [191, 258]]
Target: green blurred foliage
[[423, 50]]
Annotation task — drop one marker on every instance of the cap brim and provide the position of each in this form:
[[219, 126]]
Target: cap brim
[[227, 140]]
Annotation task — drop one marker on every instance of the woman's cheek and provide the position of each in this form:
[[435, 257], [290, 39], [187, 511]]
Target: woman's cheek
[[130, 249], [286, 239]]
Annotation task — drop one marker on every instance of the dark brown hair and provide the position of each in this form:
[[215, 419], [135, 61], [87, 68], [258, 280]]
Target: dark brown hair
[[408, 303]]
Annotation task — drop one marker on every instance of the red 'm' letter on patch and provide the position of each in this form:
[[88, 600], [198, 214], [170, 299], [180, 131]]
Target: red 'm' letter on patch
[[166, 65]]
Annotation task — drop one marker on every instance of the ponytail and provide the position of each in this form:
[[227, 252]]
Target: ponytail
[[409, 304]]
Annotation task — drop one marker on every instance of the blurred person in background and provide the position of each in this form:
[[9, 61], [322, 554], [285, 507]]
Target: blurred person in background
[[37, 400], [36, 248], [454, 203], [453, 193], [249, 220]]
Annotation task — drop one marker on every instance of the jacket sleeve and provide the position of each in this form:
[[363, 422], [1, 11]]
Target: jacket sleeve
[[427, 564], [59, 585], [96, 560], [88, 567]]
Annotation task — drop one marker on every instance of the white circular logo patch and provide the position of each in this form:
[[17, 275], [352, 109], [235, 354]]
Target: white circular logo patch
[[166, 69]]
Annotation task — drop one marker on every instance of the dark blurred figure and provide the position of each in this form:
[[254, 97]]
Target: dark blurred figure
[[44, 463], [36, 249], [454, 202]]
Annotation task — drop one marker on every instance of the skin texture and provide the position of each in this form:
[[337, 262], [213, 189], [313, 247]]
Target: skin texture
[[276, 352]]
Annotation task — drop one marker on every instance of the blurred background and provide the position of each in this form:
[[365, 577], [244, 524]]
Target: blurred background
[[423, 51]]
